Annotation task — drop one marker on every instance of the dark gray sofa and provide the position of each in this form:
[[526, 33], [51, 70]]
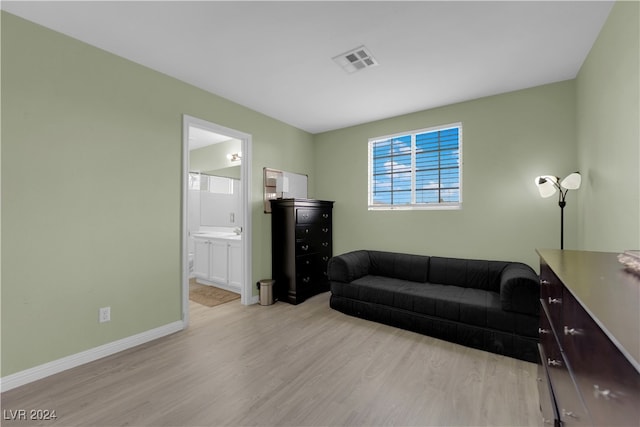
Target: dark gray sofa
[[489, 305]]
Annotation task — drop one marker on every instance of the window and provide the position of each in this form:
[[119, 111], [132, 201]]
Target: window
[[417, 170]]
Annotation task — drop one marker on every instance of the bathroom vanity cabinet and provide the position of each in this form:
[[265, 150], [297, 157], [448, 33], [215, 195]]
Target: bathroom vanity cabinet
[[218, 262]]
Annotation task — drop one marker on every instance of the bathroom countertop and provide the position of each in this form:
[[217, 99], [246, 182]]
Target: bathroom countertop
[[216, 235]]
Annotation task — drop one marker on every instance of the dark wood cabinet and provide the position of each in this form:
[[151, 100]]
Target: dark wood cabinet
[[301, 244], [589, 340]]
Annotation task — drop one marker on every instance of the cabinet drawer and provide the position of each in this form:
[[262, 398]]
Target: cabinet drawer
[[320, 216], [313, 265], [308, 216], [307, 231], [313, 231], [308, 265], [545, 392], [548, 338], [551, 294], [310, 277], [305, 247], [310, 246], [609, 384], [571, 409]]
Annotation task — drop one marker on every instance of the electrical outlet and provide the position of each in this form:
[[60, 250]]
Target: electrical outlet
[[105, 314]]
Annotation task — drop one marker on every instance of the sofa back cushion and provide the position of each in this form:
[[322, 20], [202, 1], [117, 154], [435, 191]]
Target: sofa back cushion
[[468, 273], [400, 266]]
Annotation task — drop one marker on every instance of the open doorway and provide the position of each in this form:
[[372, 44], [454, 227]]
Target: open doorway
[[216, 220]]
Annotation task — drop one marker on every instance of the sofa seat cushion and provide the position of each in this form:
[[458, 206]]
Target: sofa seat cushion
[[465, 305], [376, 289]]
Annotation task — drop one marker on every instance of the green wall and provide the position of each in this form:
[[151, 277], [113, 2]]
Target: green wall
[[508, 140], [83, 224], [609, 137]]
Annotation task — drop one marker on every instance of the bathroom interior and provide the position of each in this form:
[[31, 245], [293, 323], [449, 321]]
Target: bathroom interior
[[214, 210]]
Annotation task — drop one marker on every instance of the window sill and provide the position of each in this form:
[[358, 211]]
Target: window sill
[[439, 207]]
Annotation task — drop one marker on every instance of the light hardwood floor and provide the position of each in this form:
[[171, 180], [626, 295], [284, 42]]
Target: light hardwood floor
[[286, 365]]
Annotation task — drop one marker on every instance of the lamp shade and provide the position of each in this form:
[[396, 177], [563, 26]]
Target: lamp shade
[[572, 182], [546, 185]]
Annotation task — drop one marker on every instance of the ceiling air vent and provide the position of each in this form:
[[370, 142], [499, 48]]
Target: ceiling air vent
[[355, 60]]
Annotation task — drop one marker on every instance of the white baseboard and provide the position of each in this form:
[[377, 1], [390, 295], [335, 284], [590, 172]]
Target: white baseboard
[[38, 372]]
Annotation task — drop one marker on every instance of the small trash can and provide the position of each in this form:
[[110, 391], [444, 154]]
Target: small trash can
[[266, 291]]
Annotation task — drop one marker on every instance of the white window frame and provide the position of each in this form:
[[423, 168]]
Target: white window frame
[[413, 205]]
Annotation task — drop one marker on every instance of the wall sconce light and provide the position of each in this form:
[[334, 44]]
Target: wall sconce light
[[235, 157], [548, 185]]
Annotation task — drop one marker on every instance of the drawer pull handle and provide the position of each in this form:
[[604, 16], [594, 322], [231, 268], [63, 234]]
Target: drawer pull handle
[[544, 282], [304, 247], [325, 230], [325, 244], [571, 414], [325, 215], [325, 258], [543, 331], [553, 362], [571, 331], [306, 279], [555, 300], [606, 393]]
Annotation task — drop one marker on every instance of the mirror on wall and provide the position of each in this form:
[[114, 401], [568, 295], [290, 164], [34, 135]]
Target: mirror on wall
[[215, 200], [220, 204], [283, 185]]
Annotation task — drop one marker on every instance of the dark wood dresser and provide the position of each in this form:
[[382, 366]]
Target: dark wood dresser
[[589, 340], [302, 244]]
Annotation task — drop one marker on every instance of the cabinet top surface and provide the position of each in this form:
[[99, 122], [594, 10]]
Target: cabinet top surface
[[609, 293], [301, 202], [216, 235]]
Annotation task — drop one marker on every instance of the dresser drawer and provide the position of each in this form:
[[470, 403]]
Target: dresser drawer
[[545, 392], [318, 216], [548, 338], [609, 384], [306, 231], [308, 265], [311, 275], [305, 247], [551, 294], [571, 408], [307, 216]]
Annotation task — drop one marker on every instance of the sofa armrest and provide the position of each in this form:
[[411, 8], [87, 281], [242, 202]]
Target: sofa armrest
[[519, 289], [348, 267]]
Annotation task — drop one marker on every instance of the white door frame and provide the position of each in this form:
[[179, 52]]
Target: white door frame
[[246, 290]]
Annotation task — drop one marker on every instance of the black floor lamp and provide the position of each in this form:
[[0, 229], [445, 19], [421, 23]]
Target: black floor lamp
[[548, 185]]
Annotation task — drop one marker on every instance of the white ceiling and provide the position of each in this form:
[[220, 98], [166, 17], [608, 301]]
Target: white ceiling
[[276, 57]]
